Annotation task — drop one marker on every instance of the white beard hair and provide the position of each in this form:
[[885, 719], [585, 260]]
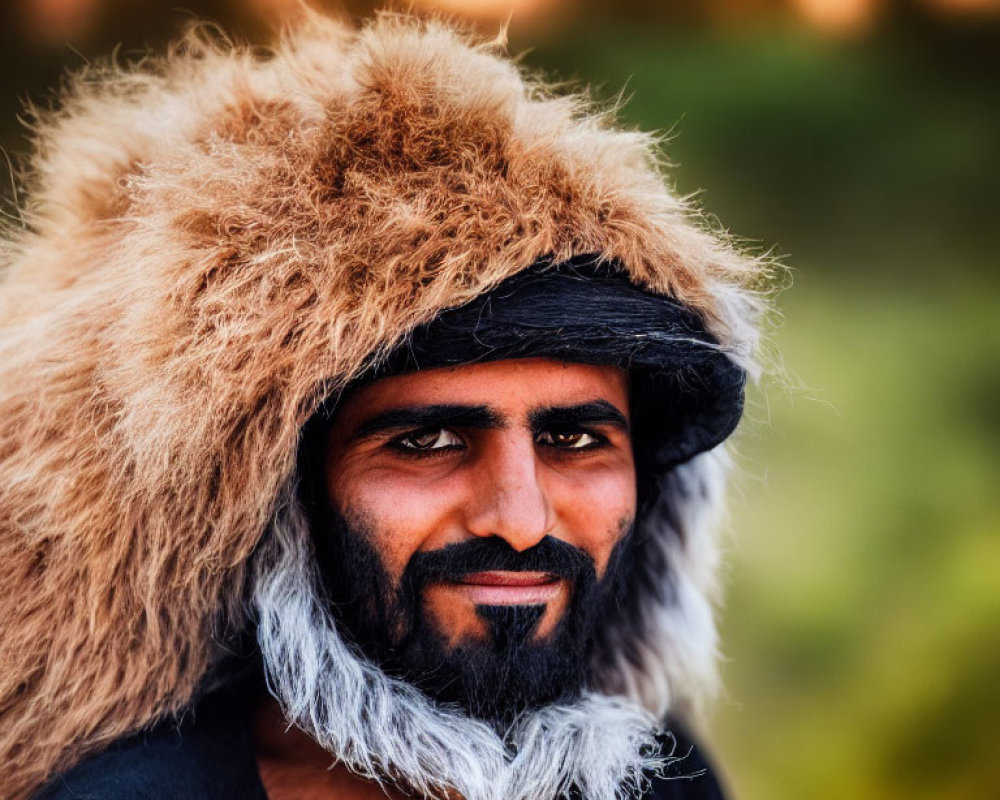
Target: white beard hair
[[382, 727]]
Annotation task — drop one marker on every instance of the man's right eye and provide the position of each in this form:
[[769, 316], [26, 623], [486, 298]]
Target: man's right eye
[[429, 440]]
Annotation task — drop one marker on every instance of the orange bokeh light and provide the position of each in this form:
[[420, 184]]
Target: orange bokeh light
[[57, 21], [838, 16], [493, 9]]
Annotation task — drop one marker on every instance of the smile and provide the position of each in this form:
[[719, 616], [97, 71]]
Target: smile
[[508, 588]]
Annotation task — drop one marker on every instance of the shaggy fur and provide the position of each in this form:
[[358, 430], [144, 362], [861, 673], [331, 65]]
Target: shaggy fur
[[217, 240]]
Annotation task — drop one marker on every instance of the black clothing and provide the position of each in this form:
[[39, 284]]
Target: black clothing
[[210, 756]]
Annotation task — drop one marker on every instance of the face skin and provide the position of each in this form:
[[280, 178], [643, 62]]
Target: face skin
[[519, 450], [520, 457]]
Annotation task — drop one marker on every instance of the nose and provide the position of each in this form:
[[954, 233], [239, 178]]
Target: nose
[[508, 498]]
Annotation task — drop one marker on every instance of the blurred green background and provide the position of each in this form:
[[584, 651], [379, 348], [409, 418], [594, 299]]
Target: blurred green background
[[859, 139]]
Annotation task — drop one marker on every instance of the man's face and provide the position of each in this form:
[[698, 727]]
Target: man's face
[[474, 514]]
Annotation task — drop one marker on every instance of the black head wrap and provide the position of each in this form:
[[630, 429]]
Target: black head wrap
[[686, 393]]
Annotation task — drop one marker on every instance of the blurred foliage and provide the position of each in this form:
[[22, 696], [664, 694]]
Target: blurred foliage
[[861, 625], [866, 156], [861, 636]]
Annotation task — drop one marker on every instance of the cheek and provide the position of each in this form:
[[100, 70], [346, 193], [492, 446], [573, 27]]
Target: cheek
[[405, 515], [595, 513]]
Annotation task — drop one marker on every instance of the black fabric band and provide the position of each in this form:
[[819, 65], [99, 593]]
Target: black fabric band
[[686, 391]]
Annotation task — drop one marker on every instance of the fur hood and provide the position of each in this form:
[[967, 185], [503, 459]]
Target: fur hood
[[217, 240]]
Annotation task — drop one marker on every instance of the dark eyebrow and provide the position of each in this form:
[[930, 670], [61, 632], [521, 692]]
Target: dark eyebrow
[[598, 412], [436, 416]]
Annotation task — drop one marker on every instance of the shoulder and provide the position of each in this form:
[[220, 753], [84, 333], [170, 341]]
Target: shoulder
[[689, 774], [136, 769], [209, 756]]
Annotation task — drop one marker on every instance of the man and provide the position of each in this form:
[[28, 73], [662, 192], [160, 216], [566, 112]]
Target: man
[[360, 423]]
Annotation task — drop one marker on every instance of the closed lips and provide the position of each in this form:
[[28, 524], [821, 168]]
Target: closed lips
[[510, 588]]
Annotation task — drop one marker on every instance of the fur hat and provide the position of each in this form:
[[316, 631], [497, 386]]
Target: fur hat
[[215, 242]]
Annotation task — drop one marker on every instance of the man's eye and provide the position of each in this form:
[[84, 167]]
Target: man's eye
[[568, 440], [437, 439]]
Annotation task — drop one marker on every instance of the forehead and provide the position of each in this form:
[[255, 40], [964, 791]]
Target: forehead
[[510, 387]]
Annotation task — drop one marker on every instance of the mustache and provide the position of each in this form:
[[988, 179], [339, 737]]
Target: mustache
[[453, 562]]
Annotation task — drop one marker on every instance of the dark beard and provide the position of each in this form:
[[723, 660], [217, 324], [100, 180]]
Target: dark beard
[[493, 679]]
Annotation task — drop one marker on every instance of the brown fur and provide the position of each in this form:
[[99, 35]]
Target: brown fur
[[216, 240]]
